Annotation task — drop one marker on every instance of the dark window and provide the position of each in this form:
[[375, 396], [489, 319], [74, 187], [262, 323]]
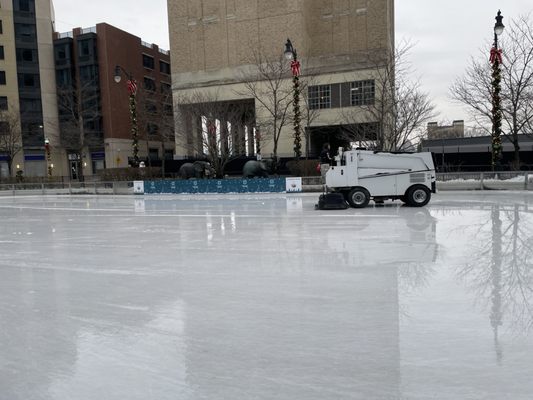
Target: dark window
[[2, 77], [84, 47], [169, 154], [89, 73], [148, 61], [149, 84], [167, 110], [153, 154], [1, 52], [61, 53], [25, 31], [30, 105], [152, 129], [319, 97], [164, 67], [3, 103], [63, 77], [362, 93], [24, 5], [26, 55], [150, 107], [28, 81], [165, 88], [1, 27]]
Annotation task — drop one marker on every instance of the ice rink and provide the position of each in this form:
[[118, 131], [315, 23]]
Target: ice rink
[[262, 297]]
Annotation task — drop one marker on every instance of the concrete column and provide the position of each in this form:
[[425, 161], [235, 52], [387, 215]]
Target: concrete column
[[251, 139]]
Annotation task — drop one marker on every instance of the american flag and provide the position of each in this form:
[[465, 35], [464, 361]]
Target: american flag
[[132, 87]]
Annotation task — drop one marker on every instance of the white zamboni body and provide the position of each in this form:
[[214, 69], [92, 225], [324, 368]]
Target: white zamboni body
[[362, 175]]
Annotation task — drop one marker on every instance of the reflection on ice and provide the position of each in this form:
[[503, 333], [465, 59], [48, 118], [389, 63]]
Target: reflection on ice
[[261, 296]]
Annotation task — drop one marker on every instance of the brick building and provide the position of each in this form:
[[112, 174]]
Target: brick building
[[85, 69]]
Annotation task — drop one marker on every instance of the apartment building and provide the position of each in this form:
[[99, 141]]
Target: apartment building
[[27, 87], [95, 121]]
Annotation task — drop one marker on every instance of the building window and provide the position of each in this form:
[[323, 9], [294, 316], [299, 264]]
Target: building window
[[164, 67], [84, 48], [24, 5], [362, 93], [2, 77], [153, 154], [165, 88], [149, 84], [3, 103], [148, 61], [150, 108], [169, 154], [152, 129], [28, 81], [1, 52], [26, 32], [319, 97], [1, 27], [26, 55]]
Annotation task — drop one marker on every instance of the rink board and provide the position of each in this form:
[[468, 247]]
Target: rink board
[[267, 185]]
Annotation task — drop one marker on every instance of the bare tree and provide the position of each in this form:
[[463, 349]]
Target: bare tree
[[79, 118], [156, 121], [475, 89], [397, 107], [10, 135], [216, 137], [269, 85]]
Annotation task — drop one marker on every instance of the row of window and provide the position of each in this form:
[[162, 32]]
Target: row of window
[[349, 94], [149, 62]]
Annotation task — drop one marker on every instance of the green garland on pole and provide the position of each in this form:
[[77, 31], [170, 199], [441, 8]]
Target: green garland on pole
[[297, 119], [496, 114], [134, 130]]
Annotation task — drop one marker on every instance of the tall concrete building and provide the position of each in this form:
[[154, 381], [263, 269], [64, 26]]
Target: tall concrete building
[[27, 83], [85, 65], [217, 46]]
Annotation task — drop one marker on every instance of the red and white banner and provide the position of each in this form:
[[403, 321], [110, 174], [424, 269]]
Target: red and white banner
[[132, 87], [496, 54], [295, 67]]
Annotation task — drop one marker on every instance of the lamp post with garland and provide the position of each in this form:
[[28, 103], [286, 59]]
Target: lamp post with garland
[[132, 91], [496, 61], [292, 56]]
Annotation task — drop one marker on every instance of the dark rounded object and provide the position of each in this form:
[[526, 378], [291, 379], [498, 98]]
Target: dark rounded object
[[358, 197], [417, 196]]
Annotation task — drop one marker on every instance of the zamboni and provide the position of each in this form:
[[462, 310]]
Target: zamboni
[[362, 175]]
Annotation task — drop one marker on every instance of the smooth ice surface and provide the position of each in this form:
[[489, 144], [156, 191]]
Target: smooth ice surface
[[262, 297]]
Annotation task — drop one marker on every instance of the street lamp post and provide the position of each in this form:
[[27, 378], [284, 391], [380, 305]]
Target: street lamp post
[[49, 164], [496, 61], [132, 90], [292, 56]]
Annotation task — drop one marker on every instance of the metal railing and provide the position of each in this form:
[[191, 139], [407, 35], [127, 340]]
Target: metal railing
[[66, 188], [513, 180]]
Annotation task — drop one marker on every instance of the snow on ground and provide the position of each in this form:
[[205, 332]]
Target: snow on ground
[[262, 297]]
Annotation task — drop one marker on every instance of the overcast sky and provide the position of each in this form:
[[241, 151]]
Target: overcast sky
[[445, 33]]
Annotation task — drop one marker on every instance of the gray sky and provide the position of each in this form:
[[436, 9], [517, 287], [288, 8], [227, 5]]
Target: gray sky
[[445, 33]]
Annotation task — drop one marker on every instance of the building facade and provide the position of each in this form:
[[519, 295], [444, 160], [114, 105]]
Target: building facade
[[219, 46], [455, 130], [27, 87], [95, 122]]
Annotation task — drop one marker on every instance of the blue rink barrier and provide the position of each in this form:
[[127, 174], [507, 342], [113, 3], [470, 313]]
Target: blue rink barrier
[[265, 185]]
